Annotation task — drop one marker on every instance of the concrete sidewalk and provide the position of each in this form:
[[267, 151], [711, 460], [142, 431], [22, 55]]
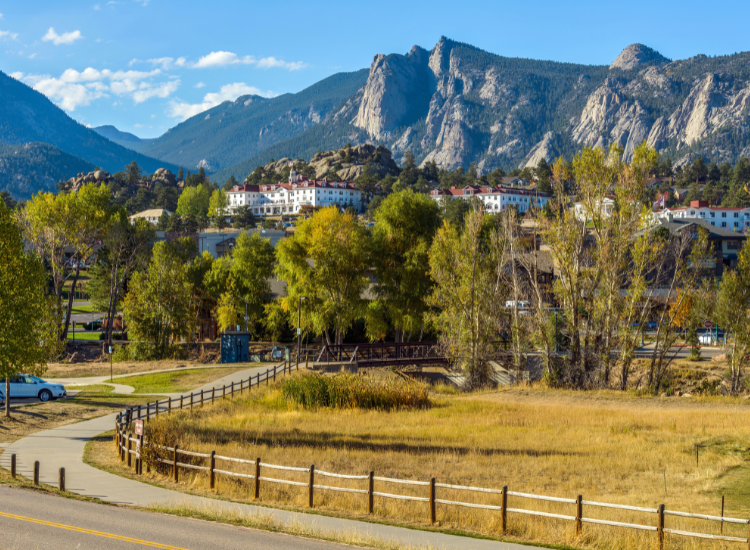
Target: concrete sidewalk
[[64, 447]]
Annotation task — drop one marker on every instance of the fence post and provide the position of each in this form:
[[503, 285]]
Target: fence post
[[213, 395], [61, 480], [660, 527], [579, 515], [181, 401], [169, 406], [13, 465], [223, 392], [157, 407], [232, 394], [257, 379], [274, 373], [130, 446], [174, 465], [257, 478], [213, 465], [370, 491], [36, 472], [432, 500], [504, 511], [140, 455], [312, 484], [191, 401], [201, 398]]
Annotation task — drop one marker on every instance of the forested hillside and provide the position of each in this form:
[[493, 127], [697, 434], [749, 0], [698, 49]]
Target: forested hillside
[[237, 130]]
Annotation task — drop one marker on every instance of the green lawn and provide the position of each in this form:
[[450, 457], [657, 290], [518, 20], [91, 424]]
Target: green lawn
[[92, 389], [83, 309], [173, 382], [84, 335]]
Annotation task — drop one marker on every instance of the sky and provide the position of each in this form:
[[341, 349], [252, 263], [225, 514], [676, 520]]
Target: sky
[[146, 65]]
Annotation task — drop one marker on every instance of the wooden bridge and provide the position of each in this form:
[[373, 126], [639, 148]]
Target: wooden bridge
[[382, 354]]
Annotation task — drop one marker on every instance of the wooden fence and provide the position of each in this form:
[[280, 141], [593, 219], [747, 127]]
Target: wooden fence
[[127, 446]]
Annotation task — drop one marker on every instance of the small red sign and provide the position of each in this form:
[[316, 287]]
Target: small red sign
[[139, 427], [708, 324]]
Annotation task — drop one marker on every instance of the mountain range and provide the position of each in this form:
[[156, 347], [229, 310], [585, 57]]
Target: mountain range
[[454, 104]]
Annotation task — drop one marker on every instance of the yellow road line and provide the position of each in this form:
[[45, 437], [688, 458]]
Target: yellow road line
[[91, 532]]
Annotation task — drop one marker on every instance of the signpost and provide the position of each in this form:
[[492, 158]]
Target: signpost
[[708, 324], [110, 363], [139, 427]]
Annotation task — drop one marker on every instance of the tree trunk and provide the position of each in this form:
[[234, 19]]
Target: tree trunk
[[64, 334], [7, 396]]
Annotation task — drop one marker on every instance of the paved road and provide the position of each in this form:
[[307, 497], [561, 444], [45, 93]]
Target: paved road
[[64, 446], [32, 520]]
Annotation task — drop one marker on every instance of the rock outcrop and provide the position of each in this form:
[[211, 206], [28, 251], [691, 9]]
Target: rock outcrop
[[637, 56], [162, 176]]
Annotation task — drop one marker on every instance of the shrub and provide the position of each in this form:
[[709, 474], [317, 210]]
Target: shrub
[[349, 391]]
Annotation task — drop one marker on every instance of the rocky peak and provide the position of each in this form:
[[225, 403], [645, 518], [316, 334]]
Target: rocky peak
[[637, 56]]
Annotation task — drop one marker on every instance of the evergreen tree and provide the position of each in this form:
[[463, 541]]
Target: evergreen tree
[[180, 174], [133, 174]]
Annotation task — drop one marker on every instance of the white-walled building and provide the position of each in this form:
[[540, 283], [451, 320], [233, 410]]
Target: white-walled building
[[495, 199], [734, 219], [151, 216], [607, 205], [287, 198]]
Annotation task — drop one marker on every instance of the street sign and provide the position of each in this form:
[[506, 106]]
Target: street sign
[[299, 331], [139, 427], [110, 350], [708, 324]]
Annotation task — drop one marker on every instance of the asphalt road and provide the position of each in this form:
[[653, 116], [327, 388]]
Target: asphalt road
[[33, 520]]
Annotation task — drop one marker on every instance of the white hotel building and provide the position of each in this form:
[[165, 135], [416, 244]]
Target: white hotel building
[[734, 219], [496, 199], [287, 198]]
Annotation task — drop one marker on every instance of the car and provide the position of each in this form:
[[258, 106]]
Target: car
[[28, 386]]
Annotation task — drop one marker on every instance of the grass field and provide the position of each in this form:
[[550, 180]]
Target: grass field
[[177, 381], [101, 368], [607, 446], [83, 335]]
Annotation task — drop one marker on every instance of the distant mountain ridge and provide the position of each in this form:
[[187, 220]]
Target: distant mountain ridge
[[237, 130], [125, 139], [457, 104], [27, 116]]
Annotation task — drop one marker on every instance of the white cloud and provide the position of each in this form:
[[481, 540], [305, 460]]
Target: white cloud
[[138, 125], [75, 89], [8, 34], [64, 38], [200, 85], [269, 62], [162, 90], [228, 92], [115, 104], [16, 75], [1, 15], [153, 116], [67, 95], [97, 7], [222, 59], [32, 56]]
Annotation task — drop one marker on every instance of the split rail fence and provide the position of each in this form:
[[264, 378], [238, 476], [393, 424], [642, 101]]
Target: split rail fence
[[129, 446]]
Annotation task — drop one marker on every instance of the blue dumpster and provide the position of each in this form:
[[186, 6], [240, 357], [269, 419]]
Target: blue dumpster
[[235, 347]]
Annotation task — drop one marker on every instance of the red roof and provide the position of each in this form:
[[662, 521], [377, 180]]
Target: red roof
[[475, 190]]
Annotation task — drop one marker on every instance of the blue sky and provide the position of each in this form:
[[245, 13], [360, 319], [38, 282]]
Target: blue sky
[[146, 65]]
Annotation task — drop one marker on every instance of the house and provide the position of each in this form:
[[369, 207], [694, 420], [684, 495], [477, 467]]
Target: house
[[495, 199], [607, 204], [288, 198], [733, 219], [151, 216], [514, 181], [726, 242]]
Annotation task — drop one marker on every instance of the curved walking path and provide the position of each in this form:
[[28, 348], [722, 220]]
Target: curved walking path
[[64, 447]]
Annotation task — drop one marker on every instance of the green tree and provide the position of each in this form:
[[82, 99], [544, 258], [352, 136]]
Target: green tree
[[230, 183], [543, 176], [180, 174], [217, 207], [73, 223], [326, 260], [741, 174], [157, 306], [698, 170], [194, 201], [6, 198], [405, 225], [243, 218], [733, 314], [133, 174], [251, 269], [28, 334]]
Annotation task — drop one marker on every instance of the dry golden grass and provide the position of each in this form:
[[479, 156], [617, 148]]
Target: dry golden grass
[[607, 446]]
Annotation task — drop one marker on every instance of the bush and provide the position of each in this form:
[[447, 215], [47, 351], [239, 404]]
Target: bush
[[349, 391], [142, 351]]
